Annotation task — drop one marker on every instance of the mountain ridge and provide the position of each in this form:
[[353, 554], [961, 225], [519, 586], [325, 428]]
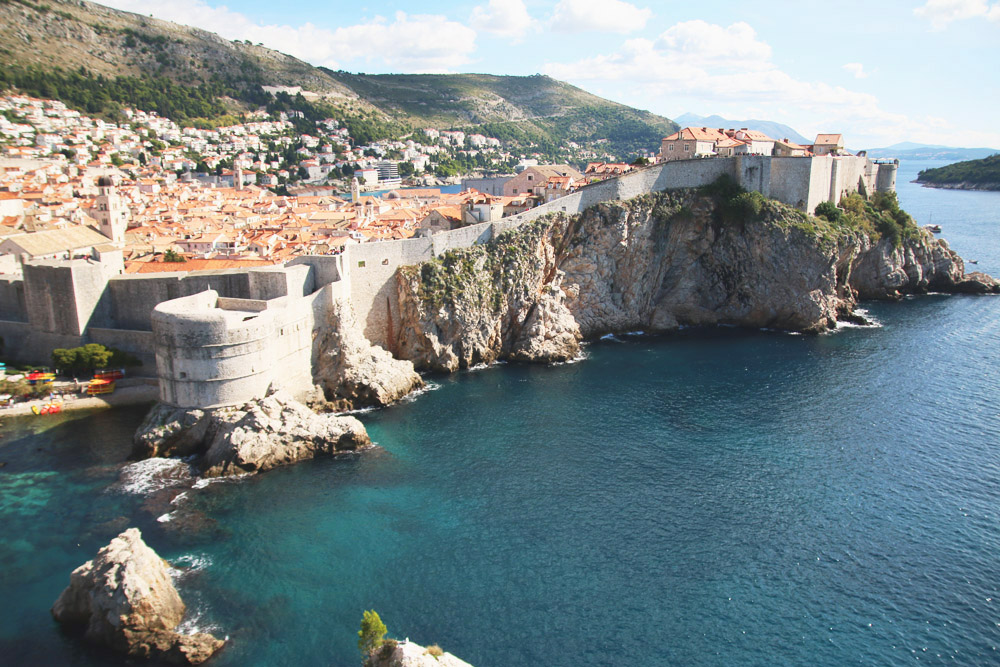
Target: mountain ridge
[[66, 44]]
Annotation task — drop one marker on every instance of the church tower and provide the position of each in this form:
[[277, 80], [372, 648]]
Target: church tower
[[109, 211], [355, 191], [238, 176]]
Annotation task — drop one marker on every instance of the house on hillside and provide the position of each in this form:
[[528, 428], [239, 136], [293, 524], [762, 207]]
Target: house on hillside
[[786, 148], [691, 142], [697, 142], [533, 180]]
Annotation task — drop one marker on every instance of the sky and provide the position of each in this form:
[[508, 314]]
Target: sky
[[877, 72]]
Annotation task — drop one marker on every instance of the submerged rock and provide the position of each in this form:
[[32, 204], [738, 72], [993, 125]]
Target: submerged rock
[[408, 654], [126, 600], [352, 372], [257, 436]]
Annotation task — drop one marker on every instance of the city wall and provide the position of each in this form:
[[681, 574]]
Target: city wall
[[223, 337]]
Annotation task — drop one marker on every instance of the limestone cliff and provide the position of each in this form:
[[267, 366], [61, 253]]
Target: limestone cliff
[[484, 303], [353, 373], [408, 654], [263, 434], [125, 599], [656, 263]]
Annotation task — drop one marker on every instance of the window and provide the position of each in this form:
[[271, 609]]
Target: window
[[183, 375], [687, 147], [515, 190], [529, 177], [385, 262], [671, 147]]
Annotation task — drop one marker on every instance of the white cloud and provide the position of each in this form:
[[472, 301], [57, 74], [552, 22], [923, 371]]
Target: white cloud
[[601, 15], [415, 43], [716, 68], [506, 18], [857, 69], [942, 12]]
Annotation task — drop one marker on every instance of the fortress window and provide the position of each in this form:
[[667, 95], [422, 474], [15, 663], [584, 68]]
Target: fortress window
[[361, 264], [183, 375], [385, 262]]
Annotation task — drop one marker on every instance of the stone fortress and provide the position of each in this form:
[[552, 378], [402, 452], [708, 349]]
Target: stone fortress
[[221, 338]]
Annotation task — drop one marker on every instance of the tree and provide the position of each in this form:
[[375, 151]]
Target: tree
[[372, 633], [171, 255]]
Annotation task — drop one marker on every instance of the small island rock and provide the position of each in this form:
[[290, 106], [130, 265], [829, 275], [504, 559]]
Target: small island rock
[[126, 600]]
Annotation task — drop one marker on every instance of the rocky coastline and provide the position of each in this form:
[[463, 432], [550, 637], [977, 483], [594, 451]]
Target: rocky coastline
[[124, 599], [961, 185], [260, 435], [656, 263]]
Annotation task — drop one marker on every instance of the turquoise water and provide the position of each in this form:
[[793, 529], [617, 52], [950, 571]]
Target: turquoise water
[[712, 497]]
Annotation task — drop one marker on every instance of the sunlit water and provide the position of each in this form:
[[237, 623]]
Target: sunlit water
[[719, 497]]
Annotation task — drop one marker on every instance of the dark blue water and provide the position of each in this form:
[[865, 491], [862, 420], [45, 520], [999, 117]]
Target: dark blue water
[[713, 497]]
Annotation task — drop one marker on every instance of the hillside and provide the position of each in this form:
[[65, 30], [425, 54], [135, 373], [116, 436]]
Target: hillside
[[981, 174], [98, 59], [535, 109]]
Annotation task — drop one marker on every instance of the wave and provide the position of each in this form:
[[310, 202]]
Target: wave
[[414, 395], [152, 475]]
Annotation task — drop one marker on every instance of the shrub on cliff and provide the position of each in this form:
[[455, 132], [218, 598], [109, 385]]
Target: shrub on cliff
[[372, 633]]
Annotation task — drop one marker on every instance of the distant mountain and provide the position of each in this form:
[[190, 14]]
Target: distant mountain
[[913, 151], [770, 128], [98, 59]]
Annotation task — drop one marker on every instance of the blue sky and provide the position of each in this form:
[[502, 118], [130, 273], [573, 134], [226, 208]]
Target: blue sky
[[878, 72]]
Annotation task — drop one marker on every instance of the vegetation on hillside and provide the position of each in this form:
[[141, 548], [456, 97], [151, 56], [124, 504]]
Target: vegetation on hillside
[[984, 172]]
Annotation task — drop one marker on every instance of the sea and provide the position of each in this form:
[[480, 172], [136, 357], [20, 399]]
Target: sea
[[709, 497]]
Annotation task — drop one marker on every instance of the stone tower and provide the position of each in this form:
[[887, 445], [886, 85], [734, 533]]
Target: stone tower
[[109, 211], [238, 176], [355, 190]]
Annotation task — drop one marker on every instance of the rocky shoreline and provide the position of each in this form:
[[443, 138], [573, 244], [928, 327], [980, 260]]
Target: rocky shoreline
[[657, 263], [260, 435], [964, 185]]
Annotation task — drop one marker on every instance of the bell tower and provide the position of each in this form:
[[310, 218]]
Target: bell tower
[[110, 213]]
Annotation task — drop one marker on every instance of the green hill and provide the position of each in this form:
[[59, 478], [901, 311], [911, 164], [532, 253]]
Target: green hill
[[98, 59], [981, 174]]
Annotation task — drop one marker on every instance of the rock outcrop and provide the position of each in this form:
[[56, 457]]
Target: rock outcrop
[[257, 436], [352, 372], [408, 654], [125, 600], [480, 304], [658, 262]]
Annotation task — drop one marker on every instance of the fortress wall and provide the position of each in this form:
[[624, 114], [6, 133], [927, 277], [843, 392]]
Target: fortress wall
[[209, 357], [850, 171], [820, 176], [137, 343], [371, 268], [12, 306], [50, 297], [25, 344], [281, 281], [326, 268], [462, 237], [790, 180], [753, 172], [293, 345]]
